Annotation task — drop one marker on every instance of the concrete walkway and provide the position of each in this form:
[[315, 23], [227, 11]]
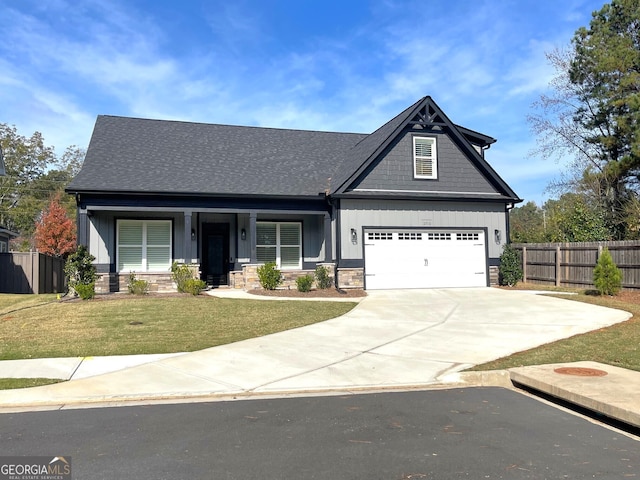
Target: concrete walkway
[[392, 339]]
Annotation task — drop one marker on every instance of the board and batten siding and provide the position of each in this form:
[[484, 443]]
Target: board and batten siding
[[394, 171], [358, 213], [102, 234]]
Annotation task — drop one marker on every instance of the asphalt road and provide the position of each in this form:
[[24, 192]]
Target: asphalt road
[[473, 433]]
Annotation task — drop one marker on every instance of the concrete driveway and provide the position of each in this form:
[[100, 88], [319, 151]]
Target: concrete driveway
[[391, 339]]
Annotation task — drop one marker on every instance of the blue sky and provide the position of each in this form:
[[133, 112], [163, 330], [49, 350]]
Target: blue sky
[[345, 65]]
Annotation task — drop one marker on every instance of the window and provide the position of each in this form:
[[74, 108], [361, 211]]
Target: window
[[279, 242], [467, 236], [3, 246], [144, 245], [439, 236], [409, 236], [425, 163], [380, 236]]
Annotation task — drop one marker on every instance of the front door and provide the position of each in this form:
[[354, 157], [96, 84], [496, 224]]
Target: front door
[[215, 253]]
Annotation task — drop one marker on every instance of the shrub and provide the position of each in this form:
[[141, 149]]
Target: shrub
[[270, 277], [323, 280], [86, 291], [607, 277], [510, 269], [304, 283], [181, 274], [194, 286], [80, 270], [137, 286]]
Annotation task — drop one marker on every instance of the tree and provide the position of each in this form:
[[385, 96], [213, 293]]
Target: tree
[[55, 232], [33, 174], [527, 224], [607, 277], [593, 114], [574, 218]]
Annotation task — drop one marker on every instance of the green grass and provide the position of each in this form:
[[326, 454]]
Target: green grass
[[618, 345], [9, 383], [39, 326]]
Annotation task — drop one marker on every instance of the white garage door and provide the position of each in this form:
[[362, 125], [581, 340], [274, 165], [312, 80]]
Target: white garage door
[[424, 259]]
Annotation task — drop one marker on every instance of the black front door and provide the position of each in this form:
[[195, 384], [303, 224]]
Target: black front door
[[215, 253]]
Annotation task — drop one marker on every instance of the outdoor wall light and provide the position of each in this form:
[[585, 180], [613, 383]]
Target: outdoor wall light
[[498, 235], [243, 234], [354, 236], [193, 234]]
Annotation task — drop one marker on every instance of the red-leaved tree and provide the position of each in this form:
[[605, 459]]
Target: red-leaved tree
[[55, 232]]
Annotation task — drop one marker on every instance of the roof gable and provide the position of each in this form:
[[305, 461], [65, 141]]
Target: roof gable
[[422, 116]]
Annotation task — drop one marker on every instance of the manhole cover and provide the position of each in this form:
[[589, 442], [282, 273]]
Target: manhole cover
[[581, 372]]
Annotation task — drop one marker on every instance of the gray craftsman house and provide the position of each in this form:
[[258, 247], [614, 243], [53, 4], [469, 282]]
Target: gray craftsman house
[[412, 205]]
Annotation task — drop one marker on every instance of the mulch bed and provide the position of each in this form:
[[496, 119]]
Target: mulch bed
[[325, 293]]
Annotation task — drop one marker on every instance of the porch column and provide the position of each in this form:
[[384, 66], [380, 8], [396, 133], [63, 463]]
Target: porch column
[[328, 244], [187, 237], [83, 227], [253, 236]]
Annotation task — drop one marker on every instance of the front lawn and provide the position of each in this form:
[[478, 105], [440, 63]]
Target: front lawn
[[40, 326], [618, 345]]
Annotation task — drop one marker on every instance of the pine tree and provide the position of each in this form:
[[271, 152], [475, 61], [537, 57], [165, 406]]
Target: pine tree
[[607, 277]]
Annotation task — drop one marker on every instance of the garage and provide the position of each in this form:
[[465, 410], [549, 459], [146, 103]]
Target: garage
[[425, 258]]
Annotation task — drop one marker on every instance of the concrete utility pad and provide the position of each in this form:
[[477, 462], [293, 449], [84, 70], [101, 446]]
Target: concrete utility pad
[[611, 391]]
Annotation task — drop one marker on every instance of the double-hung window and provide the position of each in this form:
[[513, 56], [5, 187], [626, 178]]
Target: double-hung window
[[3, 246], [425, 161], [280, 242], [144, 245]]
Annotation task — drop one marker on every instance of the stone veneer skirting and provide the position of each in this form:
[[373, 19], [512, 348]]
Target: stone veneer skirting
[[247, 279], [117, 282]]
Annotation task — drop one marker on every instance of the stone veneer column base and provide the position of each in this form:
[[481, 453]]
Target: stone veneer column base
[[350, 278], [494, 276]]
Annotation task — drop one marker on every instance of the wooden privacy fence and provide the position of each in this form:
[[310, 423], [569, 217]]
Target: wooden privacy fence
[[572, 264], [31, 272]]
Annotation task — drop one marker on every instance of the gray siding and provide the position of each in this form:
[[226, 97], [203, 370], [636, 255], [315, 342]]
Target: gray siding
[[409, 213], [394, 171]]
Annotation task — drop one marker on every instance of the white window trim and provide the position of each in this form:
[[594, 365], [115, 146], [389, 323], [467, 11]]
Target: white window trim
[[278, 245], [433, 158], [145, 223]]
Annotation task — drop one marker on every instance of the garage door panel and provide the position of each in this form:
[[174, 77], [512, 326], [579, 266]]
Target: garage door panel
[[429, 259]]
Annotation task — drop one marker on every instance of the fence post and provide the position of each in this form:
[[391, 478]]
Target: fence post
[[524, 264], [558, 271]]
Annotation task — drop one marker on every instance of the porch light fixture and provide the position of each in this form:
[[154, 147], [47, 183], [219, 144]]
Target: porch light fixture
[[498, 235], [193, 234], [243, 234], [354, 236]]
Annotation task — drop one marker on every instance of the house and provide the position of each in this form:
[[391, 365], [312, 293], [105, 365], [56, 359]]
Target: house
[[5, 237], [412, 205]]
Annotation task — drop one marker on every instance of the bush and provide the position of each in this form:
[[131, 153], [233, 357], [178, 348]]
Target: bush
[[181, 274], [193, 286], [80, 270], [270, 277], [323, 280], [86, 291], [510, 269], [304, 283], [136, 286], [607, 277]]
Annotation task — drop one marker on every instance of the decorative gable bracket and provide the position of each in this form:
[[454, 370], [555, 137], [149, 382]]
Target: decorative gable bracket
[[428, 117]]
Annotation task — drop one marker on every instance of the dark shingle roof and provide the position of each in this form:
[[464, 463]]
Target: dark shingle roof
[[172, 157], [138, 155]]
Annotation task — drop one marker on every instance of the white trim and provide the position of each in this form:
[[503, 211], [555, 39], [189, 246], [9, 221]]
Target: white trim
[[422, 191], [278, 245], [431, 159], [144, 266]]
